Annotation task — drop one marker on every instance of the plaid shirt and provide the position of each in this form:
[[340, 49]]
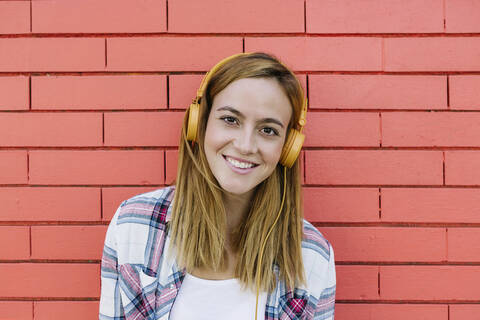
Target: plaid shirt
[[139, 281]]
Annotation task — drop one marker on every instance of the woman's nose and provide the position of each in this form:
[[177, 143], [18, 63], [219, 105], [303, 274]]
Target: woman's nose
[[245, 142]]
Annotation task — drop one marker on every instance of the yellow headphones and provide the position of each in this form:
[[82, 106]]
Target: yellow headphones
[[295, 138]]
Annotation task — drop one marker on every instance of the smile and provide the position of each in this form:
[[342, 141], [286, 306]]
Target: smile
[[240, 166]]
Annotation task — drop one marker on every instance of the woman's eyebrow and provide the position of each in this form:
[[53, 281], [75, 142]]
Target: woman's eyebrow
[[238, 113]]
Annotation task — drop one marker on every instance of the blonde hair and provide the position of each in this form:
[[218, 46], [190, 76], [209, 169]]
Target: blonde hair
[[198, 223]]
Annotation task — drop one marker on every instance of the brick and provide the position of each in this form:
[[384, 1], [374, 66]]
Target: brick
[[68, 242], [464, 312], [13, 168], [72, 310], [356, 282], [169, 53], [429, 283], [14, 93], [432, 54], [464, 244], [18, 310], [171, 157], [462, 168], [182, 90], [25, 280], [387, 244], [347, 311], [462, 16], [342, 129], [14, 17], [377, 92], [436, 205], [97, 167], [99, 92], [52, 54], [211, 16], [430, 129], [327, 204], [143, 128], [375, 16], [106, 16], [113, 197], [322, 53], [50, 129], [373, 167], [464, 92], [50, 204], [18, 240]]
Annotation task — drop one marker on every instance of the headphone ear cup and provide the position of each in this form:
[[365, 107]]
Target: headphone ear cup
[[292, 148], [193, 121]]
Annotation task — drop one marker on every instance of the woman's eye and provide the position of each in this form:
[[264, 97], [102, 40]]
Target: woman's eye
[[229, 120], [270, 131]]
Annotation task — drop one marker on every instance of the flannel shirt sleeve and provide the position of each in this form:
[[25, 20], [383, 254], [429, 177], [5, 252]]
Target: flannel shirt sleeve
[[325, 309], [110, 300]]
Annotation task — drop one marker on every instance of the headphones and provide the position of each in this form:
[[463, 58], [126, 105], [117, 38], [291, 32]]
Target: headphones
[[295, 138]]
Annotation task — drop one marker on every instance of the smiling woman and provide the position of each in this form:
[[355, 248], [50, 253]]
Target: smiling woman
[[228, 240]]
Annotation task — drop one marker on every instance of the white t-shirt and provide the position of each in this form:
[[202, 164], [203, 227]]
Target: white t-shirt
[[202, 299]]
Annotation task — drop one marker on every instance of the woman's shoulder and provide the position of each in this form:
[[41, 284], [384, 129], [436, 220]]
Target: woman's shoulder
[[147, 207], [314, 243]]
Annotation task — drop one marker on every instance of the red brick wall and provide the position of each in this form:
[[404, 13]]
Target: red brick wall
[[92, 94]]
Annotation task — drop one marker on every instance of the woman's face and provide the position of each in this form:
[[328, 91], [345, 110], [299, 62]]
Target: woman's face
[[245, 132]]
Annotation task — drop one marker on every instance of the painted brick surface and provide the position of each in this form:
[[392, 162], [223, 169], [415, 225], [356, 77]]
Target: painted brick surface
[[378, 92], [432, 54], [322, 205], [388, 244], [52, 54], [373, 167], [465, 92], [50, 129], [143, 128], [92, 98], [322, 53], [95, 167], [42, 280], [18, 240], [74, 310], [252, 16], [169, 53], [374, 16], [429, 282], [462, 16], [99, 92], [430, 129], [68, 242], [430, 205], [14, 17], [345, 311], [14, 93], [14, 167], [18, 310], [93, 16], [326, 129], [50, 204]]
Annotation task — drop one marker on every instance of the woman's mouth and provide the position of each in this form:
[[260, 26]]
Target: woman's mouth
[[239, 166]]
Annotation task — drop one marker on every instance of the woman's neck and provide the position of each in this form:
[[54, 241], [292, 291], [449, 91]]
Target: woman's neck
[[236, 208]]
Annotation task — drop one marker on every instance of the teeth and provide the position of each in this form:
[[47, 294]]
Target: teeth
[[239, 164]]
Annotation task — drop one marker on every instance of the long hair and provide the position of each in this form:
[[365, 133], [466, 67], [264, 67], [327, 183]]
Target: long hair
[[198, 223]]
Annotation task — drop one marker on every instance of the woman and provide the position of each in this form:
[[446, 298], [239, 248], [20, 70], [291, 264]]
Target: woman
[[228, 241]]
